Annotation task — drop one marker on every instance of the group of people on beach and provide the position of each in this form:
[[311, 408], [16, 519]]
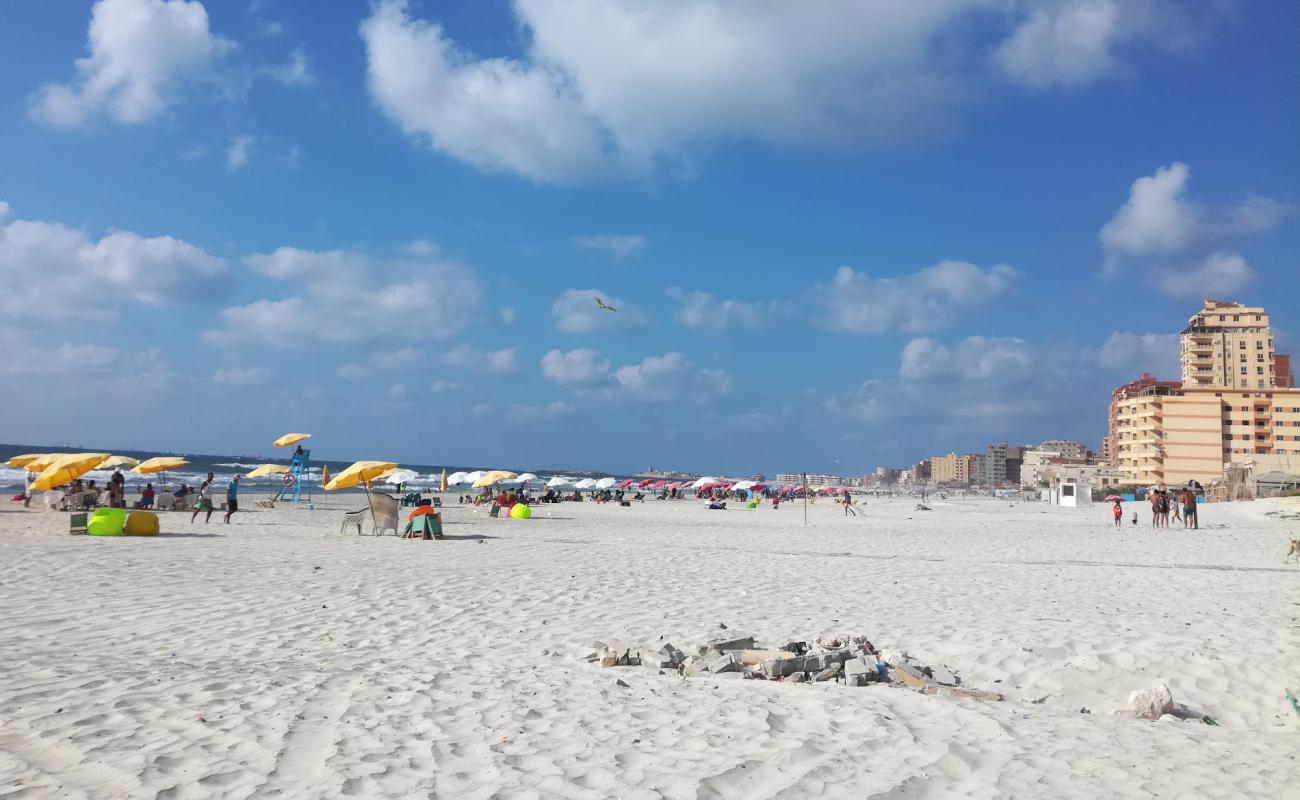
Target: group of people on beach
[[1163, 504], [204, 503]]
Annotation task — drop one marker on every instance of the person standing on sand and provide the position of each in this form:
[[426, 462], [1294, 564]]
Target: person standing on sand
[[1155, 508], [1188, 499], [204, 502], [232, 498], [1119, 514]]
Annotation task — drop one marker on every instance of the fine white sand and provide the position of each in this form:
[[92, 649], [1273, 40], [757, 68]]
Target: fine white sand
[[274, 657]]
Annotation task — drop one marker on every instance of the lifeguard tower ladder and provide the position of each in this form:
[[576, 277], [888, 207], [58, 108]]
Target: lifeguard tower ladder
[[298, 479]]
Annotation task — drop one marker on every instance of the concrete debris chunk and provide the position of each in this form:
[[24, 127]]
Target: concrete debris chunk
[[853, 658], [727, 662]]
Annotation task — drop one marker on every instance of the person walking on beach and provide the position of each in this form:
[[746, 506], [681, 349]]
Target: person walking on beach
[[1119, 514], [232, 498], [204, 502], [1188, 499], [848, 504]]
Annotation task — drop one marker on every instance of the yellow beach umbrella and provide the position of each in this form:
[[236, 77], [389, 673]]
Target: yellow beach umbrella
[[23, 460], [119, 461], [325, 474], [362, 472], [494, 477], [290, 438], [268, 469], [158, 464], [66, 469], [442, 487]]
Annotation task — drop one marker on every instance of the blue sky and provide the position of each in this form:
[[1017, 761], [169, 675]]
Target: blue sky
[[838, 239]]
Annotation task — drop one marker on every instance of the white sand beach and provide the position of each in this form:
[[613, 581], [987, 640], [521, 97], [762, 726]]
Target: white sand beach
[[274, 657]]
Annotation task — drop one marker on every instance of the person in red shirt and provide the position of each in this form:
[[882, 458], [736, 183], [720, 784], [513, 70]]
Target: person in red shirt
[[1119, 514]]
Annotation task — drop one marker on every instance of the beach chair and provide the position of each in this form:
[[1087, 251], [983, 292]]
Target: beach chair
[[495, 512], [77, 523], [164, 501], [357, 518], [264, 503], [89, 501], [423, 526], [386, 509], [53, 500]]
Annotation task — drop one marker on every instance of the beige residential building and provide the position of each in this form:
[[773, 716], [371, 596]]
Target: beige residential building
[[1228, 346], [1171, 436], [943, 469]]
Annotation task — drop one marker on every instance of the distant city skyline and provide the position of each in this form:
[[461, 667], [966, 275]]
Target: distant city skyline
[[854, 236]]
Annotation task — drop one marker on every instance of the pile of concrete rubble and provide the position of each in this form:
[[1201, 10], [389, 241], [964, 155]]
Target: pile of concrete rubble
[[853, 661]]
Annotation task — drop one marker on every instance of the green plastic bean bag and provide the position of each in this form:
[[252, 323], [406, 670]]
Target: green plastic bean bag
[[106, 522], [521, 511]]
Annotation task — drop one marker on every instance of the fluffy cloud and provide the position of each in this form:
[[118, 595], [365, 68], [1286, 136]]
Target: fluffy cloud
[[352, 297], [439, 387], [973, 358], [660, 379], [91, 277], [1066, 45], [142, 54], [703, 310], [294, 72], [1178, 241], [922, 301], [576, 311], [381, 361], [520, 412], [493, 362], [581, 366], [1156, 353], [612, 87], [618, 245], [507, 314], [239, 376]]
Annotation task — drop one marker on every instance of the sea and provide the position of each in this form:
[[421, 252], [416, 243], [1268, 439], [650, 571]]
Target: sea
[[223, 467]]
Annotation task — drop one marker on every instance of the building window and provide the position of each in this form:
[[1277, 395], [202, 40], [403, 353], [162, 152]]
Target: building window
[[1241, 345], [1259, 371], [1243, 372]]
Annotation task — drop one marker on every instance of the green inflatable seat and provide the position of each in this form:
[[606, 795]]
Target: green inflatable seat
[[106, 522]]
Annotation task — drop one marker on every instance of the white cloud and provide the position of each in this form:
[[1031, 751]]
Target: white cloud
[[294, 72], [1156, 218], [439, 387], [496, 114], [703, 310], [239, 376], [1177, 240], [4, 209], [507, 315], [381, 361], [918, 302], [494, 362], [614, 87], [618, 245], [1069, 44], [581, 366], [238, 152], [576, 311], [351, 297], [520, 412], [974, 358], [23, 357], [50, 272], [142, 55], [660, 379], [1156, 353], [1218, 274], [481, 410], [395, 393]]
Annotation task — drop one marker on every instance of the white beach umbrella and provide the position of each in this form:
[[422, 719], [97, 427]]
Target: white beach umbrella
[[525, 478], [558, 481], [456, 478], [474, 477], [605, 483], [401, 476], [741, 486], [585, 483], [705, 481]]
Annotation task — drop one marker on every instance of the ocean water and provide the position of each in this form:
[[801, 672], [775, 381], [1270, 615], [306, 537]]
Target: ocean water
[[223, 467]]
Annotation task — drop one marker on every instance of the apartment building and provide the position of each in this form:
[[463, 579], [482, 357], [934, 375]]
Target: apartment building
[[1228, 345], [1066, 447], [1283, 377]]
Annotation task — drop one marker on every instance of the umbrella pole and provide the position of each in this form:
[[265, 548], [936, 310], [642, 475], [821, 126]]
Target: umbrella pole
[[370, 502]]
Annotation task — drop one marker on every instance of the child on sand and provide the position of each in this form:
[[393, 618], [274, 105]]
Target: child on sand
[[1119, 514]]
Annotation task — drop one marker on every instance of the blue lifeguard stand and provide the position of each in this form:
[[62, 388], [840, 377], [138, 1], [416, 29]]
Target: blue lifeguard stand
[[300, 491]]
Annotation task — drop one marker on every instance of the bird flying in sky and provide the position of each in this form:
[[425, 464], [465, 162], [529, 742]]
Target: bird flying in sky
[[601, 303]]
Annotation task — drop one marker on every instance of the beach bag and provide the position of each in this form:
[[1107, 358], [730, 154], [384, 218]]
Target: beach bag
[[106, 522]]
